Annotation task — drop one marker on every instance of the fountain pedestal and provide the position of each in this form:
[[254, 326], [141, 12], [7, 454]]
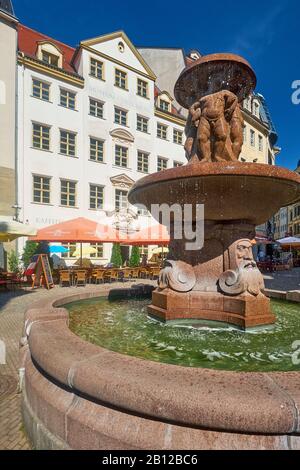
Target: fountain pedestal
[[242, 311], [221, 282]]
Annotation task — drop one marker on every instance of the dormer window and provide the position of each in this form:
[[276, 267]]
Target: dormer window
[[164, 105], [164, 102], [194, 55], [256, 109], [50, 59], [49, 53]]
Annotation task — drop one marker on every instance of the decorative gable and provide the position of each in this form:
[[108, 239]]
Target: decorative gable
[[122, 181], [122, 136], [117, 46]]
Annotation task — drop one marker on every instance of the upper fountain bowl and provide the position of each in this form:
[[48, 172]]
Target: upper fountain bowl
[[212, 73], [229, 190]]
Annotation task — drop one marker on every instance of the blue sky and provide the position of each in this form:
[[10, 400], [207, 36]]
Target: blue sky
[[265, 32]]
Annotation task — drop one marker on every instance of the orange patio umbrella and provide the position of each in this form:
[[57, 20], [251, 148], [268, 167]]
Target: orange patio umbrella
[[79, 230], [153, 235]]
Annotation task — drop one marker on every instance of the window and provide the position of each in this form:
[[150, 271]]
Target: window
[[142, 124], [121, 199], [164, 105], [177, 137], [96, 108], [142, 88], [97, 69], [96, 197], [40, 90], [96, 150], [177, 164], [162, 164], [121, 79], [68, 193], [68, 143], [247, 103], [99, 248], [121, 47], [121, 116], [144, 250], [41, 189], [256, 109], [143, 162], [121, 156], [71, 247], [142, 211], [252, 138], [260, 143], [68, 99], [41, 136], [50, 59], [162, 131]]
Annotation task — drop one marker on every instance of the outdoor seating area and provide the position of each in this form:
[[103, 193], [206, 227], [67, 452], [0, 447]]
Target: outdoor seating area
[[76, 276], [11, 281]]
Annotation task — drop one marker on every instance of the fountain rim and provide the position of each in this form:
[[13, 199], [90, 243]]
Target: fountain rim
[[214, 169]]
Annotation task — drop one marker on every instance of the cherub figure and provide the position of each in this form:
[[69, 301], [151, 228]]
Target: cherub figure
[[215, 128]]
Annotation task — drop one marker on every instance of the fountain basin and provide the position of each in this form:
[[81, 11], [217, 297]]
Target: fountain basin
[[229, 190], [80, 396]]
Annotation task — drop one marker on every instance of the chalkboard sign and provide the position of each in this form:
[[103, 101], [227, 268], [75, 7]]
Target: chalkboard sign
[[43, 274]]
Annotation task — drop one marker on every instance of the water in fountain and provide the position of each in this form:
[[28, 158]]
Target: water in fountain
[[124, 327]]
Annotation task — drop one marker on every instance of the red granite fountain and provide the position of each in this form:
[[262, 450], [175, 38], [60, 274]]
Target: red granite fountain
[[221, 281]]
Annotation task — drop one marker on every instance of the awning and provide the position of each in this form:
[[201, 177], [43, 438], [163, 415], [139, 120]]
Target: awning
[[153, 235], [291, 242], [11, 230], [79, 230]]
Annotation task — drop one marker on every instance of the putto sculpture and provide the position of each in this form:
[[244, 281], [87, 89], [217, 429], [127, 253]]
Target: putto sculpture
[[215, 129], [220, 281]]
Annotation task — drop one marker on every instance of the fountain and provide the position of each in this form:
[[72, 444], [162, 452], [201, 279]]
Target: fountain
[[103, 375], [220, 282]]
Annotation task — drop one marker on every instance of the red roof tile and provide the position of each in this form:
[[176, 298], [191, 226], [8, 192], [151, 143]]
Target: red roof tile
[[28, 43]]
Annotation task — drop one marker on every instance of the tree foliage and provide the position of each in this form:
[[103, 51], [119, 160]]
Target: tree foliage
[[13, 262], [29, 250], [134, 261], [116, 256]]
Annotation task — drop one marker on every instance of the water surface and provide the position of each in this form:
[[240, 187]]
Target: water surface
[[124, 327]]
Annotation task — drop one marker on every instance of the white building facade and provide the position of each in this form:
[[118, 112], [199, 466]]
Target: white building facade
[[91, 123]]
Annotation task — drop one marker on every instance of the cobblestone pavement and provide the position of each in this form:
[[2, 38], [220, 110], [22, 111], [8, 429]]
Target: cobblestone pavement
[[284, 280], [12, 308]]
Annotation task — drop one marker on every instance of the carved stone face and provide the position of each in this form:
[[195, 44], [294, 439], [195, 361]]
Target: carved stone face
[[244, 255]]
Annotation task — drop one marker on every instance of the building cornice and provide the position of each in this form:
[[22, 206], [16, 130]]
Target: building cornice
[[181, 121], [8, 18], [51, 71], [116, 61]]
